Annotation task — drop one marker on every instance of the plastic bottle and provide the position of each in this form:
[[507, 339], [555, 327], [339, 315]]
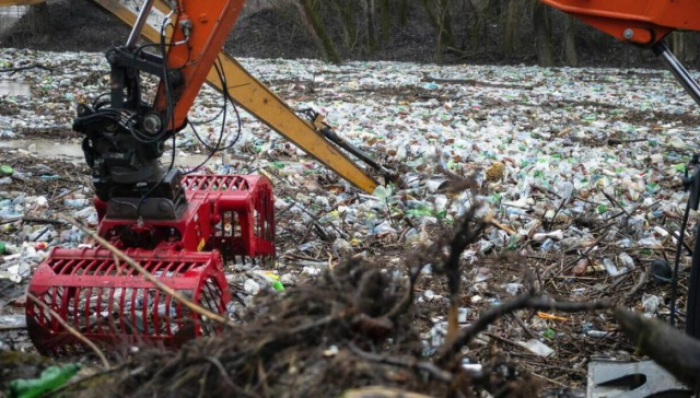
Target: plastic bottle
[[77, 203], [626, 260], [8, 248], [50, 379]]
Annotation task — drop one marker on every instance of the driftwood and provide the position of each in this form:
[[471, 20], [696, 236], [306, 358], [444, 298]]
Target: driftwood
[[380, 392], [673, 350]]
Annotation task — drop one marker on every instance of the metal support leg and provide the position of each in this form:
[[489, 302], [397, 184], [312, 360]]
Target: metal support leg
[[140, 22], [679, 71], [691, 87], [632, 380]]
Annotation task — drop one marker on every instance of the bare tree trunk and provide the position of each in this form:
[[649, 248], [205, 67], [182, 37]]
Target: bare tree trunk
[[570, 55], [684, 46], [691, 47], [403, 12], [39, 18], [369, 20], [440, 21], [318, 31], [481, 8], [543, 34], [385, 18], [347, 17], [510, 27]]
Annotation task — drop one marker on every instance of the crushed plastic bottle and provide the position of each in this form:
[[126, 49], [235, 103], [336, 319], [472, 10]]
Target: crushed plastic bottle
[[8, 248], [612, 269], [251, 287], [626, 260], [13, 321], [50, 379], [77, 203], [537, 347]]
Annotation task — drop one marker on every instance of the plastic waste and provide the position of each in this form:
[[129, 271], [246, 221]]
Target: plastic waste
[[13, 321], [474, 369], [661, 272], [8, 248], [278, 286], [537, 347], [6, 170], [77, 203], [626, 260], [50, 379], [612, 269], [651, 303], [251, 287]]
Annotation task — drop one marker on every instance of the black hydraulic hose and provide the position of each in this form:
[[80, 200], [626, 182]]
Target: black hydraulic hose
[[679, 71], [335, 138]]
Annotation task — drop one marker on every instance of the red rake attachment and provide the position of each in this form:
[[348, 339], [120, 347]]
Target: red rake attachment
[[226, 217], [243, 210], [110, 303]]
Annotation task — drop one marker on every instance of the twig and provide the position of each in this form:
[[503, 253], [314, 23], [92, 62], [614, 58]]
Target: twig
[[465, 236], [426, 78], [407, 300], [9, 328], [525, 328], [556, 383], [70, 329], [614, 203], [615, 141], [465, 335], [148, 276], [34, 220], [642, 280], [409, 363], [21, 68], [545, 190], [63, 195]]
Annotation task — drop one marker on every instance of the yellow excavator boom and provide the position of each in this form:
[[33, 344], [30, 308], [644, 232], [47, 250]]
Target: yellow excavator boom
[[262, 103], [8, 3]]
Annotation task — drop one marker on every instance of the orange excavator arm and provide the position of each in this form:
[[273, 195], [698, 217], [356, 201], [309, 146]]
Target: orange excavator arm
[[643, 22], [202, 28], [247, 92]]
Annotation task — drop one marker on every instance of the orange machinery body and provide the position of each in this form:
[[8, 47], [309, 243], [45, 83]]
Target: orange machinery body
[[643, 22], [209, 23]]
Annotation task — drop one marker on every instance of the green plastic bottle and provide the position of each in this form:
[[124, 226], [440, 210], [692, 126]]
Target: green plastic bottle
[[50, 379], [278, 286], [6, 248]]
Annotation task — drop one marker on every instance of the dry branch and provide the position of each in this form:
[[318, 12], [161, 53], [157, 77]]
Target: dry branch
[[448, 351], [70, 329], [409, 363], [675, 351]]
